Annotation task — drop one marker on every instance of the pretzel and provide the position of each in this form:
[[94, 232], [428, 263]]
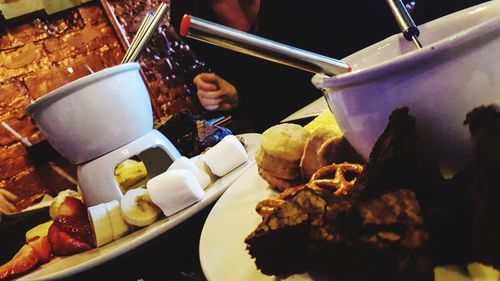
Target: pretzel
[[267, 206], [333, 177]]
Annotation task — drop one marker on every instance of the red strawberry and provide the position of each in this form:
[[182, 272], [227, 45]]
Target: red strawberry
[[24, 260], [76, 227], [72, 207], [69, 236], [41, 245]]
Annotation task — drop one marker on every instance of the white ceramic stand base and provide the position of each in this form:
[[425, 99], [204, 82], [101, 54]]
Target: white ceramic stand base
[[96, 178]]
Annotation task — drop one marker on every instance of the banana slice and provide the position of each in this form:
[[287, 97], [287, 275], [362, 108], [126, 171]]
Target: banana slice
[[129, 173], [101, 224], [138, 209], [118, 224], [40, 230]]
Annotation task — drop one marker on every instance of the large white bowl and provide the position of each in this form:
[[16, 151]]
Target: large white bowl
[[457, 69], [95, 114]]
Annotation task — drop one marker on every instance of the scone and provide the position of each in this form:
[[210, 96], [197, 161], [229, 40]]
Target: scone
[[278, 183], [276, 166], [285, 141], [279, 155], [325, 147]]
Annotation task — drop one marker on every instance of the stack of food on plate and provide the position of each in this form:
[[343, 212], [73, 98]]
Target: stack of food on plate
[[392, 218]]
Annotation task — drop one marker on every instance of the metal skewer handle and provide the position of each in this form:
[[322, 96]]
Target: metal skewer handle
[[149, 25], [405, 22], [250, 44]]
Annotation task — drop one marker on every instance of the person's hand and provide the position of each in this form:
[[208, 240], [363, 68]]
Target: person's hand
[[6, 199], [215, 93]]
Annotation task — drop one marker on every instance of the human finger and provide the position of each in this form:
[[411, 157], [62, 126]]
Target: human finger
[[206, 81], [210, 94], [208, 101], [207, 95], [211, 107], [209, 77]]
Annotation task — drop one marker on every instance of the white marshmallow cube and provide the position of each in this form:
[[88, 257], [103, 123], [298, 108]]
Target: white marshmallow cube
[[225, 156], [184, 163], [202, 166], [174, 190]]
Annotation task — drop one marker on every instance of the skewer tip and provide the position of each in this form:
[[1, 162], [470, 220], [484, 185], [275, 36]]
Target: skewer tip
[[185, 22]]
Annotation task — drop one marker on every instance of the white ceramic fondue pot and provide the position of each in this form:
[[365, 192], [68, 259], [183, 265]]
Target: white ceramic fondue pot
[[95, 114]]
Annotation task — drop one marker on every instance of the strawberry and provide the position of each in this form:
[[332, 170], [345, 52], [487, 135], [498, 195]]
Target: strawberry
[[69, 235], [42, 248], [24, 260], [78, 228], [36, 252], [72, 207]]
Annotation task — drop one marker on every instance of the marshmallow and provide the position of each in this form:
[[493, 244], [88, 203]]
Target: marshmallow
[[202, 166], [174, 190], [225, 156], [184, 163]]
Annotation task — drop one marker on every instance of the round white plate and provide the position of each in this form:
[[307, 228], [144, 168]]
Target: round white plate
[[60, 267], [223, 254]]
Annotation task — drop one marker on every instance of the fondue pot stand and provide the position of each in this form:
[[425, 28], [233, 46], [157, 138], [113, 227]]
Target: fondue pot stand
[[100, 120], [96, 177]]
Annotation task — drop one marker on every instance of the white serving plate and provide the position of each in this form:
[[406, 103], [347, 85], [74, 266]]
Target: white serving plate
[[223, 254], [61, 267]]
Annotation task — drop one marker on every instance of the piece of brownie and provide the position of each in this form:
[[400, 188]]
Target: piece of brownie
[[337, 238], [400, 158], [484, 125], [379, 239], [279, 244]]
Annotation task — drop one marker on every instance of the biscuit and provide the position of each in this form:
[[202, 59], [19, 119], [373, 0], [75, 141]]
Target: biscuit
[[276, 166], [286, 141], [320, 150], [279, 184], [324, 147]]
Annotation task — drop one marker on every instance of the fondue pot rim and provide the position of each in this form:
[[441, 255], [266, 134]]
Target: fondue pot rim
[[69, 88], [406, 60]]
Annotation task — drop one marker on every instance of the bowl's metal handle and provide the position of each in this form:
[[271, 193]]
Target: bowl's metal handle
[[253, 45]]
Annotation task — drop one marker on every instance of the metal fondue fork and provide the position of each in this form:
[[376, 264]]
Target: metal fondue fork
[[406, 24]]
